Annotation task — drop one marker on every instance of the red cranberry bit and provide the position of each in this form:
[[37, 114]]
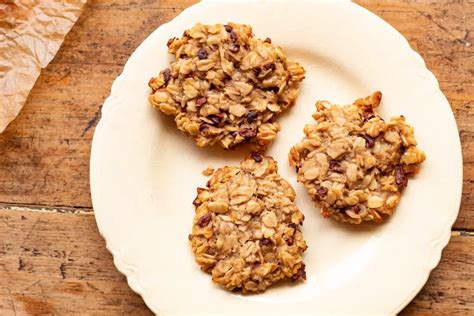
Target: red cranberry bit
[[367, 115], [166, 75], [355, 209], [400, 177], [273, 89], [270, 66], [233, 36], [216, 119], [203, 127], [257, 71], [202, 53], [211, 251], [256, 156], [369, 141], [335, 166], [322, 192], [234, 48], [248, 133], [290, 241], [200, 101], [228, 28], [268, 40], [293, 225], [252, 116], [266, 242], [204, 220], [300, 274]]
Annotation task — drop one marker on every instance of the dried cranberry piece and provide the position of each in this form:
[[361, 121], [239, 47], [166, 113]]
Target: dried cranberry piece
[[234, 48], [200, 101], [202, 53], [211, 251], [248, 133], [367, 115], [166, 75], [322, 191], [216, 119], [273, 89], [256, 156], [251, 116], [257, 71], [335, 166], [300, 274], [204, 220], [228, 28], [268, 40], [233, 36], [400, 177], [355, 209], [270, 66], [266, 242], [369, 141], [290, 241]]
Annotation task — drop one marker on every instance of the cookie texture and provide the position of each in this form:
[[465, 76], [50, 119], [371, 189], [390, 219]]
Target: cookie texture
[[353, 163], [226, 86], [246, 231]]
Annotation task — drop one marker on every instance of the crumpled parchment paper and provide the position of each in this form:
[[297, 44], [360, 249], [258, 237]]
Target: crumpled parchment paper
[[31, 32]]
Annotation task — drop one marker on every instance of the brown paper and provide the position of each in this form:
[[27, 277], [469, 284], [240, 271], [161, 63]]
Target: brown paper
[[31, 32]]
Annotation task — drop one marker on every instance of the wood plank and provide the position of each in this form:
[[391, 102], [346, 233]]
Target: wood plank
[[449, 288], [443, 33], [57, 264], [44, 154], [54, 263]]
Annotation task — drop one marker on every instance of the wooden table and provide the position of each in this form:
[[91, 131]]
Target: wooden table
[[52, 258]]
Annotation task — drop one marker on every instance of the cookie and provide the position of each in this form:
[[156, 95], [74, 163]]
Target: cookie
[[353, 163], [226, 86], [246, 231]]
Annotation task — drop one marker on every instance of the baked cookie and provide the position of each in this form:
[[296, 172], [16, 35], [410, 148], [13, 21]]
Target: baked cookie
[[226, 86], [246, 231], [353, 163]]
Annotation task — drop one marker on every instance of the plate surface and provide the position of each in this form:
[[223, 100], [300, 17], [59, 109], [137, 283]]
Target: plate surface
[[144, 172]]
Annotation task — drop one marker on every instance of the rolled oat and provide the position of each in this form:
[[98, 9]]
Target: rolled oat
[[226, 86], [246, 230], [353, 163]]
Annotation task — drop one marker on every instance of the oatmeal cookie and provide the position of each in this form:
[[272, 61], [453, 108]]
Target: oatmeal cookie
[[226, 86], [246, 231], [353, 163]]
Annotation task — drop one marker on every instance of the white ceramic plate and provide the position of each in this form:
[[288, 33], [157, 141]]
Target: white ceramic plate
[[144, 173]]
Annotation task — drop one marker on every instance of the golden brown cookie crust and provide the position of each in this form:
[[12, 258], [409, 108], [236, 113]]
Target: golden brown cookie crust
[[353, 163], [226, 86], [246, 231]]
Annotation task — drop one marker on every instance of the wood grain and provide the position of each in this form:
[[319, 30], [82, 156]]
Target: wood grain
[[52, 259], [443, 33], [46, 150], [53, 263]]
